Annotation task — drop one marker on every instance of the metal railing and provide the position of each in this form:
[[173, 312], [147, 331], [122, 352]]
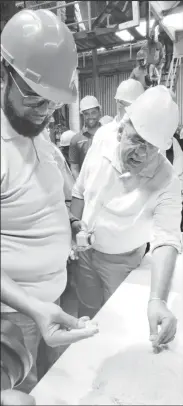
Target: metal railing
[[66, 5]]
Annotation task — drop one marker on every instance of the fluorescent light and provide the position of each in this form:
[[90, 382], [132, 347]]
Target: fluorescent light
[[174, 20], [101, 49], [124, 35], [142, 27]]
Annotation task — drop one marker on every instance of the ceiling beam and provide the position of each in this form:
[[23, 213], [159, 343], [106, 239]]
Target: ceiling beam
[[157, 12]]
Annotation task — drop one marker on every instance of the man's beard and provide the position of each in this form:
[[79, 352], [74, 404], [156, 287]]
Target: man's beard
[[22, 125]]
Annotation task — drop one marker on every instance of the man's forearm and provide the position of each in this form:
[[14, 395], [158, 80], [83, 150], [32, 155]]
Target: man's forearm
[[163, 265], [16, 297], [77, 206], [75, 171]]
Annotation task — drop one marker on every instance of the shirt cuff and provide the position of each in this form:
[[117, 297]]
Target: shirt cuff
[[76, 193], [168, 242]]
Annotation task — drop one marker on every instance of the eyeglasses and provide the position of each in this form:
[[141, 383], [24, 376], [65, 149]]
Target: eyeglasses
[[35, 100], [122, 103]]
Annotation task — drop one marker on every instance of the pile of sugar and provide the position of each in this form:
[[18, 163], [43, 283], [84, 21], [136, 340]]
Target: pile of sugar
[[138, 376]]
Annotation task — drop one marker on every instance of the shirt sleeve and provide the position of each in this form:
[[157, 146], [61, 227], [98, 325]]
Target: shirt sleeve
[[133, 75], [178, 162], [74, 152], [4, 168], [79, 187], [66, 174], [167, 217]]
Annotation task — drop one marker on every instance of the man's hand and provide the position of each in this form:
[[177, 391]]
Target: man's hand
[[59, 328], [78, 226], [15, 397], [160, 315]]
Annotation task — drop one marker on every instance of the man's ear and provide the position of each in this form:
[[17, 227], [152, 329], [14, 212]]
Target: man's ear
[[4, 74]]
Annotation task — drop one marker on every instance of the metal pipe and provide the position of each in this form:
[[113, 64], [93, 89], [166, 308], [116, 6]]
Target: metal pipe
[[147, 19], [108, 17], [81, 22], [36, 5], [55, 7], [136, 46], [89, 15], [62, 6]]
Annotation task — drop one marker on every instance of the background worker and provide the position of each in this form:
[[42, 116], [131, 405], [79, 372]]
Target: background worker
[[106, 119], [65, 140], [81, 142], [128, 194], [155, 52], [145, 72], [127, 91], [35, 223]]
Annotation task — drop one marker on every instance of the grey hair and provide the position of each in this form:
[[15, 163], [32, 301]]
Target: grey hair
[[125, 120]]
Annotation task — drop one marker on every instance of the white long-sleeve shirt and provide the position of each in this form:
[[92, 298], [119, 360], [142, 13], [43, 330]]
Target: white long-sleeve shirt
[[177, 162], [35, 227], [126, 212]]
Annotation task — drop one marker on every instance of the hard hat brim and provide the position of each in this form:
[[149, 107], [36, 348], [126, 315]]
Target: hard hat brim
[[50, 93]]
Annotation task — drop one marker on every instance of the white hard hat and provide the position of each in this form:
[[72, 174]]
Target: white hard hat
[[142, 54], [106, 119], [52, 120], [129, 90], [181, 133], [155, 116], [66, 138], [88, 102], [42, 50]]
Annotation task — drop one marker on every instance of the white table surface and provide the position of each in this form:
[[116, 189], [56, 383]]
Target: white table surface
[[118, 366]]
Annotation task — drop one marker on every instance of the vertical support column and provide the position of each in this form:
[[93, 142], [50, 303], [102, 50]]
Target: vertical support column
[[147, 19], [89, 15], [61, 12], [74, 118], [94, 57], [95, 74]]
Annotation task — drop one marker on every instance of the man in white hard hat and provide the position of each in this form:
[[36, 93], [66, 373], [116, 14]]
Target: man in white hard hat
[[81, 142], [106, 120], [128, 194], [38, 65], [145, 72], [127, 91]]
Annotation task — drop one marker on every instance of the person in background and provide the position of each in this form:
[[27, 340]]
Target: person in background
[[36, 226], [106, 119], [65, 140], [127, 91], [51, 127], [81, 142], [146, 73], [128, 194], [167, 48], [154, 51], [181, 136]]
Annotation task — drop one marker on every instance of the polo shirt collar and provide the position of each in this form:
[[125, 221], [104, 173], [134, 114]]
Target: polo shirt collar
[[111, 152], [86, 132], [7, 132]]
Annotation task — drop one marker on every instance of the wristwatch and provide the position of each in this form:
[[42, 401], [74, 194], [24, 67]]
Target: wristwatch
[[73, 219]]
